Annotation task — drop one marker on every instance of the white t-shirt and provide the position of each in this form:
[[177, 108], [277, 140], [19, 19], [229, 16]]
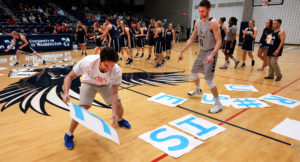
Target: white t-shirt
[[88, 67]]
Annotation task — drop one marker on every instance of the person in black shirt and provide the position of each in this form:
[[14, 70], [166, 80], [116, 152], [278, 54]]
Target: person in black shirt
[[23, 46], [81, 34], [275, 50], [249, 35], [264, 44]]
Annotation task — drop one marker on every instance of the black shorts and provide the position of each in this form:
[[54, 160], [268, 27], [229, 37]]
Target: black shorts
[[140, 42], [158, 47], [81, 39], [151, 41], [99, 43], [229, 50], [169, 45], [122, 42], [27, 49], [248, 46], [115, 43], [223, 44], [132, 43]]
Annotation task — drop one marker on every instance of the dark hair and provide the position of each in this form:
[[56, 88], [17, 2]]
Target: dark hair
[[233, 20], [109, 19], [109, 54], [279, 21], [223, 19], [271, 23], [205, 3], [152, 19]]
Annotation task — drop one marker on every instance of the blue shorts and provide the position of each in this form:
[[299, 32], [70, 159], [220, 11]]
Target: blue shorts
[[264, 47]]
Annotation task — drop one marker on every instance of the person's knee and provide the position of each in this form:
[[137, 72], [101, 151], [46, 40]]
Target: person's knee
[[210, 83], [195, 76], [85, 106]]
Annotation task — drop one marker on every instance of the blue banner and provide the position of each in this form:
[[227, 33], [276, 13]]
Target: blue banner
[[40, 42]]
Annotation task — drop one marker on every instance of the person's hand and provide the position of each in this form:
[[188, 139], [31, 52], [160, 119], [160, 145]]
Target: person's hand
[[276, 53], [180, 57], [173, 42], [209, 59], [20, 47], [260, 44], [146, 37], [231, 45], [6, 50], [66, 98], [115, 121]]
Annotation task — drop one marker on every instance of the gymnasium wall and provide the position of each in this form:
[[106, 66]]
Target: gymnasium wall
[[289, 13], [171, 10], [224, 8]]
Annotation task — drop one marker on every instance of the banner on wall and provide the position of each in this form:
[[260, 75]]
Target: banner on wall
[[40, 42]]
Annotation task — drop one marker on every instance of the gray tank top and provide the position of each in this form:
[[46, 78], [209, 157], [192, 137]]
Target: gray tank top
[[205, 35]]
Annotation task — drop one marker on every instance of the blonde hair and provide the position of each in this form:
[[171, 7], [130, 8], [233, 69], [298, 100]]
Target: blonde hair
[[160, 24]]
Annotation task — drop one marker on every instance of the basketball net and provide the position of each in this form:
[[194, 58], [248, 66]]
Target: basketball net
[[265, 4]]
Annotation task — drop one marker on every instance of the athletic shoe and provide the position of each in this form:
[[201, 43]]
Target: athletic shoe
[[148, 58], [137, 55], [129, 62], [269, 77], [168, 57], [252, 63], [278, 78], [44, 62], [217, 108], [163, 62], [82, 53], [121, 58], [158, 65], [243, 65], [236, 63], [85, 54], [142, 55], [17, 63], [155, 59], [223, 67], [193, 92], [124, 123], [69, 143]]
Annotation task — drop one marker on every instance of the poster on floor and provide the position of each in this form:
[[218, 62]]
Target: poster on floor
[[197, 127], [166, 99], [93, 122], [289, 128], [279, 100], [170, 141], [248, 88], [240, 103]]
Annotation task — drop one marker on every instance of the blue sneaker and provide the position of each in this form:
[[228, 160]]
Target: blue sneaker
[[69, 142], [124, 123]]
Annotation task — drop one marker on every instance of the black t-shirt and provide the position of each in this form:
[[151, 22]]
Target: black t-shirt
[[264, 35]]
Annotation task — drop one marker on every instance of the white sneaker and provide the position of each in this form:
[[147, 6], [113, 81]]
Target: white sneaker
[[223, 67], [217, 108], [193, 92]]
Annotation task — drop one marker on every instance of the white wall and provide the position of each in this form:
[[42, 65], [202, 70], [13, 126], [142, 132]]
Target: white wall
[[289, 12], [234, 11]]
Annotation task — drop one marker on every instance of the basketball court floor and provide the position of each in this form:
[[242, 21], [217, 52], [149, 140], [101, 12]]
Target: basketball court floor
[[33, 130]]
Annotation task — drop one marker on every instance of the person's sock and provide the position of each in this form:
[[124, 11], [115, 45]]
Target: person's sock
[[70, 133], [197, 88], [233, 59]]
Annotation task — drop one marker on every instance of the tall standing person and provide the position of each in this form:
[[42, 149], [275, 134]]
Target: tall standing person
[[275, 50], [210, 40]]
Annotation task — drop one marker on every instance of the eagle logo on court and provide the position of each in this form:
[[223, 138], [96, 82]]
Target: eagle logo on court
[[39, 86]]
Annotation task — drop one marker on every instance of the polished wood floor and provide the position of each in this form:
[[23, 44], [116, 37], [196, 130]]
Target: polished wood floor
[[36, 137]]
